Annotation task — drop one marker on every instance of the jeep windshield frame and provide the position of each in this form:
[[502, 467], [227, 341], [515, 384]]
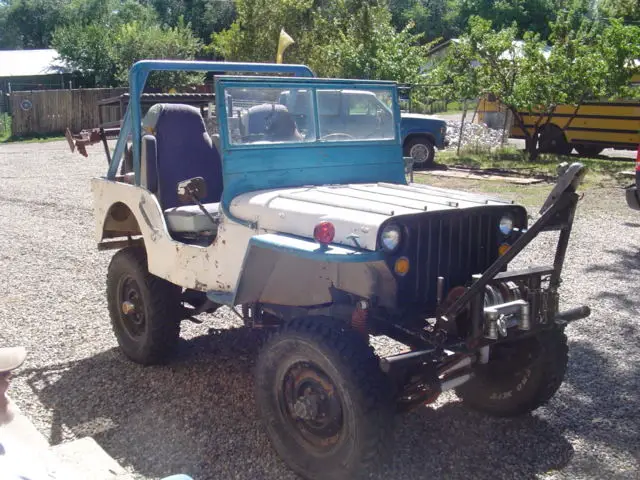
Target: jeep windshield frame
[[317, 108], [138, 75], [263, 165]]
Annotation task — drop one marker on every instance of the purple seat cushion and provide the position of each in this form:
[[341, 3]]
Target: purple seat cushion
[[185, 150]]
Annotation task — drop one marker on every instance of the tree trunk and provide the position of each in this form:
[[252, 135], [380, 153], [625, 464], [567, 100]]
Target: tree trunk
[[531, 146], [530, 140]]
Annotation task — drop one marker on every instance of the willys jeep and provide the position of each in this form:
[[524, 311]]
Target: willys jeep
[[316, 236]]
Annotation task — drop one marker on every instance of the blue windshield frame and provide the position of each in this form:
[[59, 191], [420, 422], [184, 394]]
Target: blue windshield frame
[[138, 74], [253, 167]]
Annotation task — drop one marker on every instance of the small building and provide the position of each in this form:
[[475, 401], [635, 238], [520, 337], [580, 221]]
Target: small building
[[32, 70]]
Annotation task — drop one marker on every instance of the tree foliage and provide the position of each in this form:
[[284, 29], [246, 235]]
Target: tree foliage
[[30, 23], [204, 16], [341, 38], [534, 77], [109, 49]]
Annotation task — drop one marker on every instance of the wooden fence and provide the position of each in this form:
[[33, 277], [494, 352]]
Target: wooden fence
[[47, 112]]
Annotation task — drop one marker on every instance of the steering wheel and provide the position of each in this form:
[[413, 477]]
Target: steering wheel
[[337, 135]]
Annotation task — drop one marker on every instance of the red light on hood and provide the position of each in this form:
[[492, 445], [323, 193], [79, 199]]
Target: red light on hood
[[324, 232]]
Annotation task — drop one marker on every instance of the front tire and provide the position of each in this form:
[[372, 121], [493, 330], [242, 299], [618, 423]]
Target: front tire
[[589, 150], [520, 376], [422, 150], [326, 405], [144, 309]]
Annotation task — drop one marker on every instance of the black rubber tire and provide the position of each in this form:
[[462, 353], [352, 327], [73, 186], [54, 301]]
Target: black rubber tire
[[365, 393], [427, 143], [160, 301], [523, 389], [588, 150], [552, 140]]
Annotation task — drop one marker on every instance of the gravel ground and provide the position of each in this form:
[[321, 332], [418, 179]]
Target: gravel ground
[[197, 415]]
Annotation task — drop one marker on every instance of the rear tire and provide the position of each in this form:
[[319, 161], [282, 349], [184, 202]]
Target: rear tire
[[520, 376], [144, 309], [552, 140], [422, 150], [589, 150], [326, 405]]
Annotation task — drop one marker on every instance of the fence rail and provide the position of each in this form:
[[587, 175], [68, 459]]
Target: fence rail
[[48, 112]]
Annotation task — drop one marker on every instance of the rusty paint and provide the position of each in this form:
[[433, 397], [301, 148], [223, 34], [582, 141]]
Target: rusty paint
[[200, 286]]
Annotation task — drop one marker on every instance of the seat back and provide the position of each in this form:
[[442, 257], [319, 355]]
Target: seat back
[[183, 150]]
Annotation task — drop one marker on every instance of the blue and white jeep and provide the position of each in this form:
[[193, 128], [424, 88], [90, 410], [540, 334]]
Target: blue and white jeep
[[311, 229], [355, 111]]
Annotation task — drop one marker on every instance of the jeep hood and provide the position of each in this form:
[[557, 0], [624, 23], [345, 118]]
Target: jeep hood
[[354, 209]]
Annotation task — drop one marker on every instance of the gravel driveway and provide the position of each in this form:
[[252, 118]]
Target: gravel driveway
[[197, 415]]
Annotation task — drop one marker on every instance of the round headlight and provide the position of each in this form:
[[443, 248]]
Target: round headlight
[[390, 237], [506, 225]]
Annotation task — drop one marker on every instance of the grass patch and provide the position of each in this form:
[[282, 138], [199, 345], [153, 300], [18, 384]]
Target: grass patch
[[7, 137], [33, 139], [512, 160], [5, 127]]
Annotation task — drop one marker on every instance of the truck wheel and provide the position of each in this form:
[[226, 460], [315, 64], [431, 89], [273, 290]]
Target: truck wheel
[[422, 151], [144, 309], [519, 377], [326, 405], [552, 140], [588, 150]]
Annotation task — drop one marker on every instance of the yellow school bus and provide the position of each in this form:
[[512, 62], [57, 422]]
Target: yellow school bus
[[596, 125]]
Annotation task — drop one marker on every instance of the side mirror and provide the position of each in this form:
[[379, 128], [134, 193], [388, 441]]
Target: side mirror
[[192, 188]]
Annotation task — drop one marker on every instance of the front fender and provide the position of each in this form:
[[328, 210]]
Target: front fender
[[423, 127], [286, 270]]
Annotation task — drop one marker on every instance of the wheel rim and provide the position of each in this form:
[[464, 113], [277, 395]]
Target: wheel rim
[[419, 152], [312, 407], [131, 307]]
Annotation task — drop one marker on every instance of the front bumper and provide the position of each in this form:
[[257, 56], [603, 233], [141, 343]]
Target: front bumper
[[633, 197]]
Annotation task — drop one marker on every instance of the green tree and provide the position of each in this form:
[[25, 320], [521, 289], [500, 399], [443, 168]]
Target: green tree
[[626, 10], [253, 36], [135, 41], [108, 50], [30, 23], [527, 15], [533, 77], [433, 19], [204, 16], [341, 38]]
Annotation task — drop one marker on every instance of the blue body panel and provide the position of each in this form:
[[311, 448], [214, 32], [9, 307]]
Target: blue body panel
[[420, 126]]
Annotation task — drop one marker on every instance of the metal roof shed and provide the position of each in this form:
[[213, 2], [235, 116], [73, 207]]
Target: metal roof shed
[[31, 70]]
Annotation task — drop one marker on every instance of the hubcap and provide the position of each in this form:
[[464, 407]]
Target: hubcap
[[420, 153], [128, 307], [132, 315], [311, 404]]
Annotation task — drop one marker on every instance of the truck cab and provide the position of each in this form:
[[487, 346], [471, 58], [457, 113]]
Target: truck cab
[[355, 111]]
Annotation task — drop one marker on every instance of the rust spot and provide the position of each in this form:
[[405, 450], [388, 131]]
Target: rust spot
[[224, 242]]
